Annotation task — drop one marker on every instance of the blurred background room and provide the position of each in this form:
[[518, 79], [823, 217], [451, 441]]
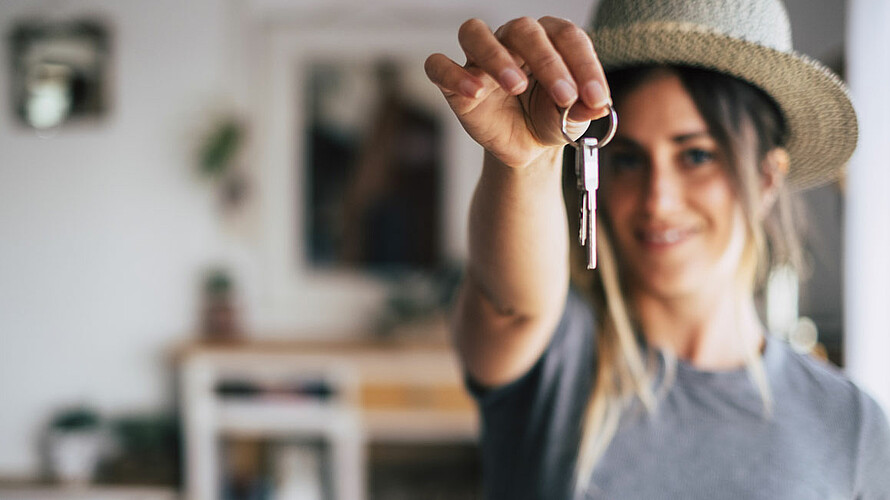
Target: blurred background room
[[230, 231]]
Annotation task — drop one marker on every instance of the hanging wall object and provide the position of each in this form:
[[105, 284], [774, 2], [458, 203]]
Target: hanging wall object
[[373, 166], [59, 71]]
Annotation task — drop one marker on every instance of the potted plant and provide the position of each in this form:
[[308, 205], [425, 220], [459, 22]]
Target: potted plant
[[221, 320], [74, 444]]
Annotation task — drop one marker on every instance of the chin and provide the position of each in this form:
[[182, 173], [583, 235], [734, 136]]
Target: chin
[[672, 281]]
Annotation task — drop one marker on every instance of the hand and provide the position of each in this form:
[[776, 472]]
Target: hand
[[508, 94]]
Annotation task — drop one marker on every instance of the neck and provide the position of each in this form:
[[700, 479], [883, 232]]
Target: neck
[[714, 330]]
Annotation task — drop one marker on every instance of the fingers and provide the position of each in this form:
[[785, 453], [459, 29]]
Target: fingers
[[557, 53], [576, 50], [452, 78], [484, 50], [527, 38]]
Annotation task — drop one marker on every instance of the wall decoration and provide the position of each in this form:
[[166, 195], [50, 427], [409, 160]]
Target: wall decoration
[[373, 168], [59, 71]]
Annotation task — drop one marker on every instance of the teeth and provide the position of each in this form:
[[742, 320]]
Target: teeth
[[665, 237]]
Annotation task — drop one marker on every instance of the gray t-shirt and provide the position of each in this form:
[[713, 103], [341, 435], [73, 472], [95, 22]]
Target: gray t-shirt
[[709, 438]]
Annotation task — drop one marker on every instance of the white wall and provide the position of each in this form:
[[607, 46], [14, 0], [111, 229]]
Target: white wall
[[104, 228], [868, 206]]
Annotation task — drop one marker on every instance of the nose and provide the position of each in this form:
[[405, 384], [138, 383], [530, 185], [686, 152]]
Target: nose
[[663, 188]]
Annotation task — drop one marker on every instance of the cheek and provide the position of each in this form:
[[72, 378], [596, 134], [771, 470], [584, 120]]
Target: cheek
[[619, 207], [717, 199], [716, 192], [619, 199]]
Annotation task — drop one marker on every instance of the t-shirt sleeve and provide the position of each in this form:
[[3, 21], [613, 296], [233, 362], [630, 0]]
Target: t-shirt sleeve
[[873, 461], [575, 323], [523, 422]]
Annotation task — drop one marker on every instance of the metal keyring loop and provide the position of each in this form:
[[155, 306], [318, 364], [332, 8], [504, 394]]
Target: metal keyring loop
[[613, 127]]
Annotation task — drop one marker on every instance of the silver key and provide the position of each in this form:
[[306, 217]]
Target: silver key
[[587, 175], [582, 230]]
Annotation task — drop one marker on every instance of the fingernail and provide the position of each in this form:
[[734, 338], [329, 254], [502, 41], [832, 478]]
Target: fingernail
[[469, 88], [563, 93], [511, 80], [596, 94]]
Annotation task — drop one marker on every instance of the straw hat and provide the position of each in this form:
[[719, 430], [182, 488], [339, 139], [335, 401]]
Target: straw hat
[[748, 39]]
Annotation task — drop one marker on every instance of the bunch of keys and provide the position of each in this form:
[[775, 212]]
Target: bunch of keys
[[587, 174]]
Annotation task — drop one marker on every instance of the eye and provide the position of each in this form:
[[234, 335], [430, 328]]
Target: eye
[[623, 161], [698, 156]]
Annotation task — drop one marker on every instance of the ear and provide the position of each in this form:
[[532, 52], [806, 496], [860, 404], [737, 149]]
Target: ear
[[772, 178]]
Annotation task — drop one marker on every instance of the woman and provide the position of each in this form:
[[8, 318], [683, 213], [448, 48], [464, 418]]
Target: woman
[[671, 389]]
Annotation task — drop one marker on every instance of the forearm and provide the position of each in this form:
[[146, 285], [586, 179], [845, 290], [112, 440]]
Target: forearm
[[519, 237]]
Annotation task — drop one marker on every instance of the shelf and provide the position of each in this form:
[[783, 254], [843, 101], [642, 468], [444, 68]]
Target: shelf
[[85, 493], [271, 417], [421, 426], [387, 393]]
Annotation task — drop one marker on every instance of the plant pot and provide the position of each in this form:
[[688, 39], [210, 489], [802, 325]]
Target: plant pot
[[221, 321], [74, 455]]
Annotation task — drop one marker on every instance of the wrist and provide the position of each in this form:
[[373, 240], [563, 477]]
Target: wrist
[[550, 159]]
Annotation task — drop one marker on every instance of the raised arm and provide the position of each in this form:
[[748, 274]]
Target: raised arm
[[507, 97]]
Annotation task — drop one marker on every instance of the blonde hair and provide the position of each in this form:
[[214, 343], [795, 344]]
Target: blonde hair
[[747, 125]]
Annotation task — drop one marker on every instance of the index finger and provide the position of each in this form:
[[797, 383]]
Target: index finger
[[484, 51], [576, 49]]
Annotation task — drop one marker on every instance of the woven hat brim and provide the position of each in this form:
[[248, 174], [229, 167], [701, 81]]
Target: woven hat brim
[[819, 114]]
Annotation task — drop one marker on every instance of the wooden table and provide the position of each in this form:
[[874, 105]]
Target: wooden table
[[382, 391], [36, 491]]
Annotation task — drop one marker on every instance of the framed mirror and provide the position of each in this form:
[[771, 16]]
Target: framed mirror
[[59, 71], [373, 167], [365, 174]]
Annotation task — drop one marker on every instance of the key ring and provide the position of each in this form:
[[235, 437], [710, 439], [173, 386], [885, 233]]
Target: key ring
[[613, 127]]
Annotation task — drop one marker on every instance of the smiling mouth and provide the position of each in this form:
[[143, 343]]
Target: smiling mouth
[[663, 238]]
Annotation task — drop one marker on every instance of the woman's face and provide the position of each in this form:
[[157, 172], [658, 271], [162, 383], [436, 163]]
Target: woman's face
[[677, 224]]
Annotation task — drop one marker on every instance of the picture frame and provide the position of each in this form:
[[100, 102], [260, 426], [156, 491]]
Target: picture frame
[[60, 71], [297, 293]]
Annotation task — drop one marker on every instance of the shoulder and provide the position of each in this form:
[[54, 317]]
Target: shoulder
[[816, 395], [812, 380], [822, 399]]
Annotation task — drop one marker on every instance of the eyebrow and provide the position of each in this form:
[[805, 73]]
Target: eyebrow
[[690, 136], [678, 139]]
